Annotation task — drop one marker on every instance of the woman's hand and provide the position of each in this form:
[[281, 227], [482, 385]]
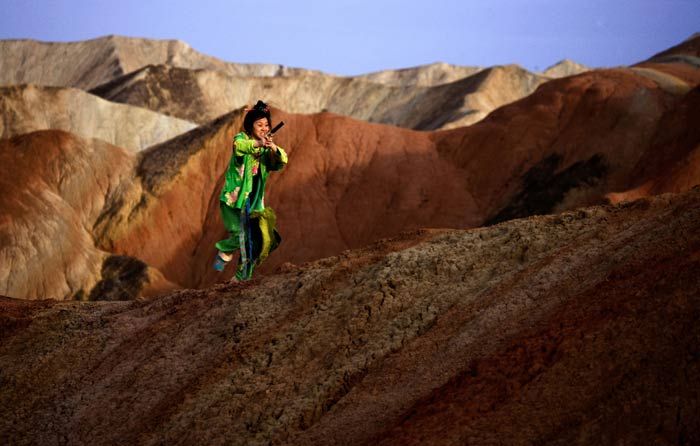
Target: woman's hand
[[267, 142]]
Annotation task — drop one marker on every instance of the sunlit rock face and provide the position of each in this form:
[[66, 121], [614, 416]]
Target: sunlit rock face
[[565, 68], [28, 108], [54, 189], [89, 63], [170, 77]]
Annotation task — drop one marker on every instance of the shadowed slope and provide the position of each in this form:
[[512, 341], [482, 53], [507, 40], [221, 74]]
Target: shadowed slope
[[673, 164], [542, 330], [570, 142]]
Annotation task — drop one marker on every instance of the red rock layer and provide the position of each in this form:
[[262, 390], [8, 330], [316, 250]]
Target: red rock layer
[[683, 71], [689, 47], [672, 163]]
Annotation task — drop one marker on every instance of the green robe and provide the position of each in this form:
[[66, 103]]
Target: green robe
[[245, 179]]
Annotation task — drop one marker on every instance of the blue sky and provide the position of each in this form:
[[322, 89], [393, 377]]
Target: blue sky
[[351, 37]]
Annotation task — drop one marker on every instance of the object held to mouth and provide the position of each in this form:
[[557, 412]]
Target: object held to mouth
[[274, 130]]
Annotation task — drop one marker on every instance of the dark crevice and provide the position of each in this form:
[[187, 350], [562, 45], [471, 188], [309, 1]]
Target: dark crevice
[[123, 278], [543, 188]]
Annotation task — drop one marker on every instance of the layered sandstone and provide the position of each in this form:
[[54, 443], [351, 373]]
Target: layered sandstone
[[54, 188], [89, 63], [428, 75], [373, 181], [202, 95], [28, 108], [576, 141], [688, 50], [440, 73], [573, 328], [681, 61], [604, 135], [170, 77]]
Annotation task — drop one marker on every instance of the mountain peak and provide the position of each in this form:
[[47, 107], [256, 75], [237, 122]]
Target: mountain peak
[[563, 68]]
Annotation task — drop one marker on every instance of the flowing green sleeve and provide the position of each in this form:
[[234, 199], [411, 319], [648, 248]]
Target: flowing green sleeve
[[244, 145]]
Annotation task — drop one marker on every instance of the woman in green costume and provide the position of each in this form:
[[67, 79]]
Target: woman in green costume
[[250, 224]]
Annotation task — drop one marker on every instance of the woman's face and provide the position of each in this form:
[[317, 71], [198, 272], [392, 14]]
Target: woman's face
[[260, 128]]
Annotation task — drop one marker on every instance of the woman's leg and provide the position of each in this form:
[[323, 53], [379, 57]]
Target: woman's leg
[[232, 223]]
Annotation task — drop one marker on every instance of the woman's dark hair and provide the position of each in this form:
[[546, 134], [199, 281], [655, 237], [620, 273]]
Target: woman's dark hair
[[259, 110]]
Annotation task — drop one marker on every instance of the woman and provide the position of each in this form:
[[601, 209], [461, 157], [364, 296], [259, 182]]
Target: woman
[[250, 224]]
